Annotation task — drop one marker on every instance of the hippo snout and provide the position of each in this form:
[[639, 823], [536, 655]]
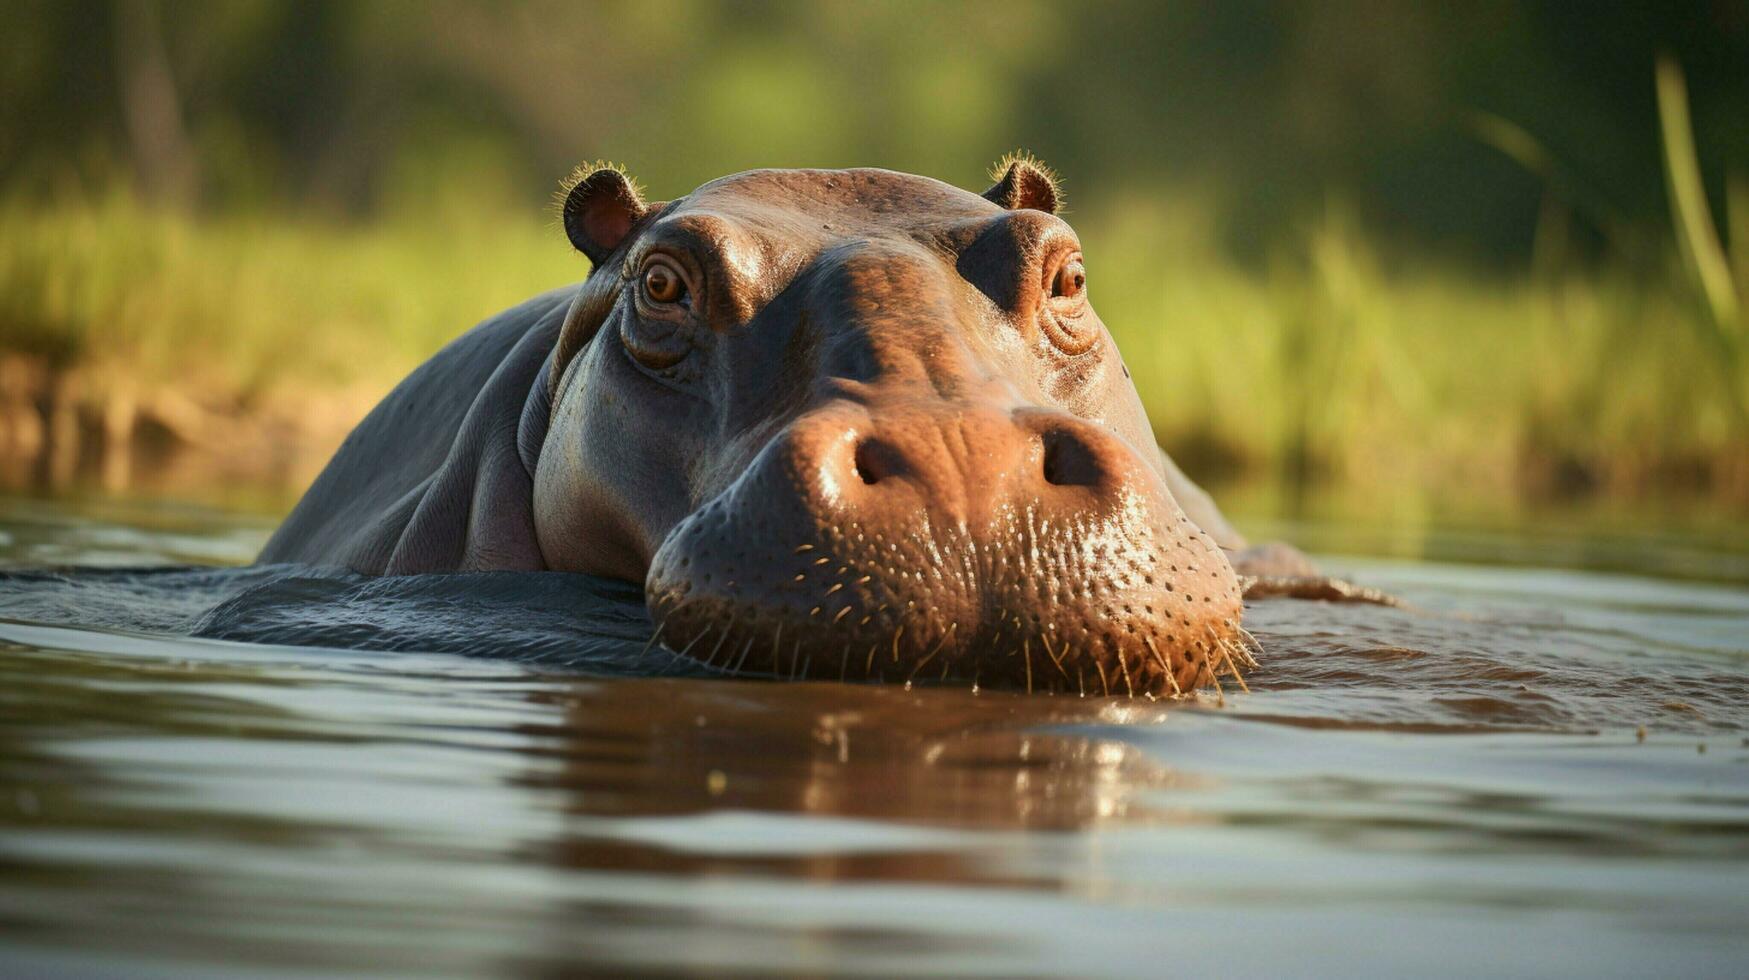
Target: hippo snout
[[1001, 546]]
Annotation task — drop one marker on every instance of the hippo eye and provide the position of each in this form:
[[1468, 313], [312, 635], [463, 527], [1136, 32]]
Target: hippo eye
[[662, 283], [1063, 313], [1070, 280]]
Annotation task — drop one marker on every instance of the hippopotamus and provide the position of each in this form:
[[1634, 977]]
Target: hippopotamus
[[840, 424]]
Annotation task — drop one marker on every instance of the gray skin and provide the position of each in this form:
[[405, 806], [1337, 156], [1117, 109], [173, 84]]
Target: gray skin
[[847, 424]]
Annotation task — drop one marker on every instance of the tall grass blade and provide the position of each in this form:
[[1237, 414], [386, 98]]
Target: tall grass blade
[[1696, 238], [1695, 234]]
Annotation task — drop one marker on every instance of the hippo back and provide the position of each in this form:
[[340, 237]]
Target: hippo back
[[444, 439]]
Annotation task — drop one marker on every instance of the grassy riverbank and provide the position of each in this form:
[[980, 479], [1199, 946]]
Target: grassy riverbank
[[243, 345], [1330, 364]]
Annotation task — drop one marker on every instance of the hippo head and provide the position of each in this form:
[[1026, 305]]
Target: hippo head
[[863, 424]]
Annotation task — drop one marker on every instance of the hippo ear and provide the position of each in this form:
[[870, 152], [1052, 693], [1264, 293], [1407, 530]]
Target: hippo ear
[[600, 208], [1022, 181]]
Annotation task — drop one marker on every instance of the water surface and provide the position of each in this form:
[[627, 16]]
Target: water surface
[[1533, 771]]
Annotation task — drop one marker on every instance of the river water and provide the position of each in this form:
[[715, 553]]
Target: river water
[[1530, 770]]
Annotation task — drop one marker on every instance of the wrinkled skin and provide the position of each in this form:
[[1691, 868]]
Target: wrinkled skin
[[839, 423]]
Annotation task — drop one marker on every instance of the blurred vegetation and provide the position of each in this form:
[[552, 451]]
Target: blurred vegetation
[[1491, 248]]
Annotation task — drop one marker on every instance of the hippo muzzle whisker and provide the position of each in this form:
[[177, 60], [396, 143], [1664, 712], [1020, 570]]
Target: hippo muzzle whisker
[[1056, 660], [654, 638], [1238, 676], [933, 651], [1165, 666], [1208, 668], [687, 649], [742, 660], [1252, 645], [1225, 648], [711, 658], [1232, 666]]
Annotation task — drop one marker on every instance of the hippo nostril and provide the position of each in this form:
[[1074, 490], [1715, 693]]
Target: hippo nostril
[[1068, 460], [874, 461]]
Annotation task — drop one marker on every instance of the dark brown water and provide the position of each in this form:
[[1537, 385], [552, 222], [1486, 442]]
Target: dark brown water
[[1460, 787]]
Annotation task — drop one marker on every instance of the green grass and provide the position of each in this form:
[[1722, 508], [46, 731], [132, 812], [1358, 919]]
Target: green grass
[[239, 305], [1335, 365], [1327, 365]]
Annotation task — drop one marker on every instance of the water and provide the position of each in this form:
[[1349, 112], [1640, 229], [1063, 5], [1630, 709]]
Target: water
[[1533, 771]]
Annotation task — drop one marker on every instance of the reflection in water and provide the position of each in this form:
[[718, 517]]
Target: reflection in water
[[645, 751]]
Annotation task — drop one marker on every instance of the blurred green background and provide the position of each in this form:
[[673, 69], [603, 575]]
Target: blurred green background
[[1408, 257]]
